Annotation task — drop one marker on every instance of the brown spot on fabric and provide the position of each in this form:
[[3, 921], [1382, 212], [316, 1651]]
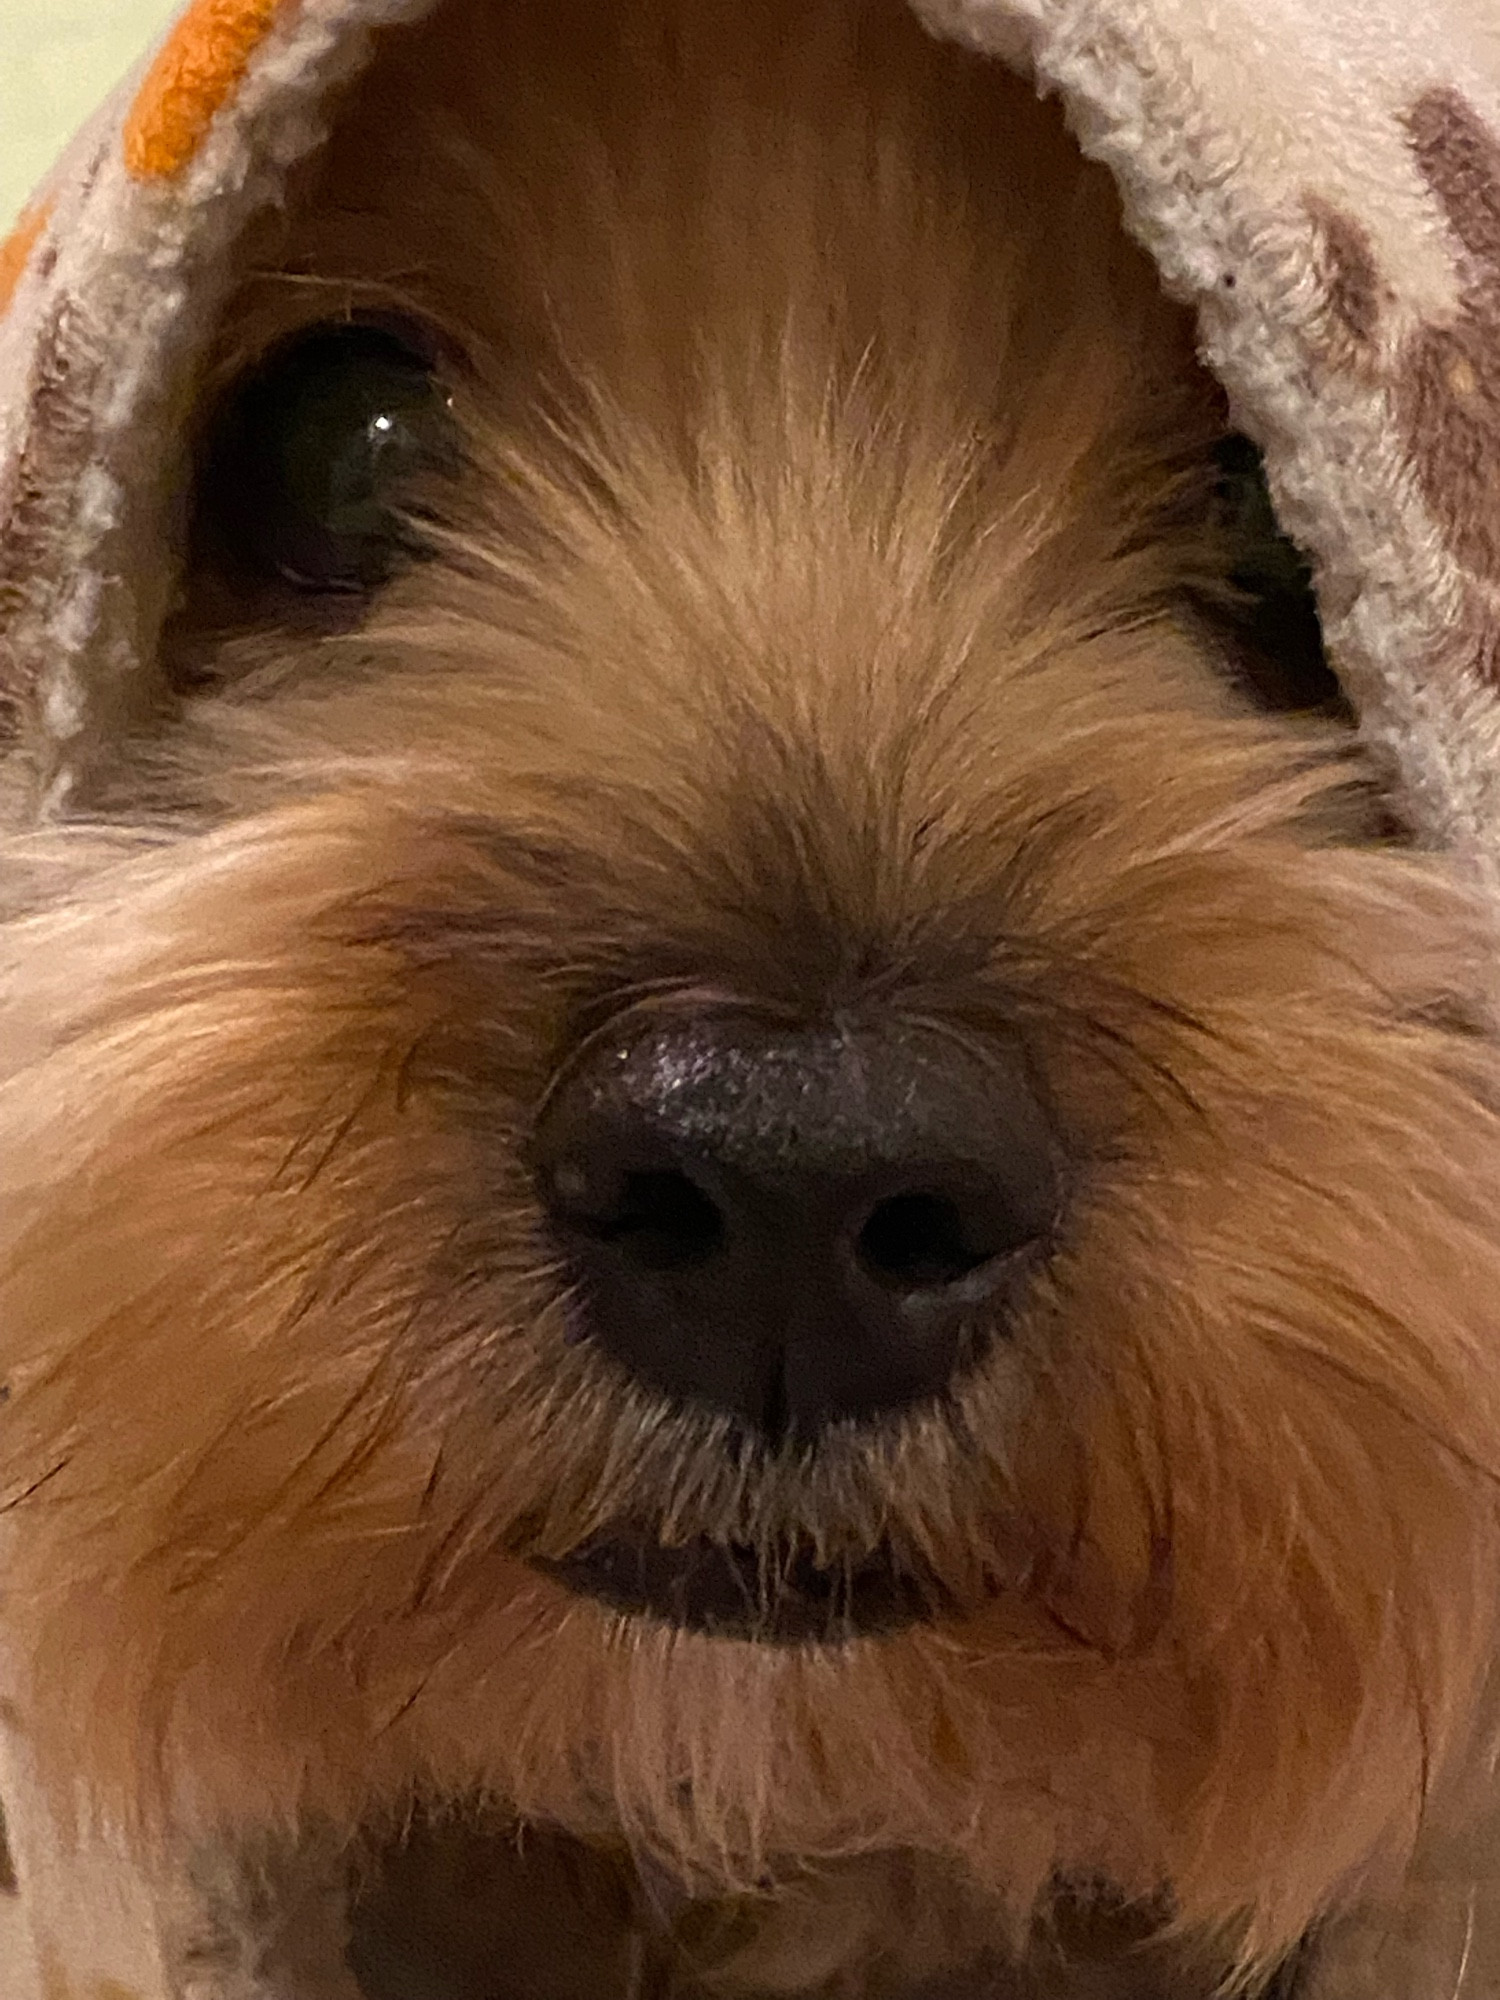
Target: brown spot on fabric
[[198, 70], [16, 250], [1470, 646], [1448, 405], [1460, 161], [58, 1983], [1445, 381], [38, 500], [1352, 284], [1447, 386]]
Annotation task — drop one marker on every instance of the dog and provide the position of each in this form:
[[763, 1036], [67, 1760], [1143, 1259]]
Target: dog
[[748, 1240]]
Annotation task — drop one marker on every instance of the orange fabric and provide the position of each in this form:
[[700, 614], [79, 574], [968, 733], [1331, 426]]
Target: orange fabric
[[15, 251], [195, 75]]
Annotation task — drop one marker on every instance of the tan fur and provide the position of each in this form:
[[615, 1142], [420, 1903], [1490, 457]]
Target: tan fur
[[803, 633]]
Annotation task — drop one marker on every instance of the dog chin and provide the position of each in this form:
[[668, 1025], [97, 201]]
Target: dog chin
[[460, 1898]]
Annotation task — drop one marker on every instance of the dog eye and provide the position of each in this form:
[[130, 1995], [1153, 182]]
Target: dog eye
[[318, 457], [1275, 636]]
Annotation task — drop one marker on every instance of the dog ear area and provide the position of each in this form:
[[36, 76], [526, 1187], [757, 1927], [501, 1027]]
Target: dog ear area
[[1258, 615], [1264, 614]]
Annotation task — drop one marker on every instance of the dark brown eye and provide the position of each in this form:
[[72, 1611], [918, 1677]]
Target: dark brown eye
[[316, 459], [1271, 624]]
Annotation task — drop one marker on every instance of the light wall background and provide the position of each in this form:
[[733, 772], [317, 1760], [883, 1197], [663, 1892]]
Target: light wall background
[[57, 59]]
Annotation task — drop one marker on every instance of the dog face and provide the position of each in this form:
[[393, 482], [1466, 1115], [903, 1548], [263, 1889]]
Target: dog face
[[724, 1150]]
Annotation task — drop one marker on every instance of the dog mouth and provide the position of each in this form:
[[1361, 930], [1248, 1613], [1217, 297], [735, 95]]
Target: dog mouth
[[785, 1596]]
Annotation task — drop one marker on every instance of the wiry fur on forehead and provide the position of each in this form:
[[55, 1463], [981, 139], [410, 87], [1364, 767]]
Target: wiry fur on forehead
[[781, 673]]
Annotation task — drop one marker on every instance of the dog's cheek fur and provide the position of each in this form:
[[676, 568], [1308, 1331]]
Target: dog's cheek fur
[[1223, 1520]]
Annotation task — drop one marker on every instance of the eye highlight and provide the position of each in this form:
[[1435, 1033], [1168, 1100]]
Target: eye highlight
[[316, 458]]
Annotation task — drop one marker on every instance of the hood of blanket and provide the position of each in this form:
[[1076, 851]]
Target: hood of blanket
[[1319, 179]]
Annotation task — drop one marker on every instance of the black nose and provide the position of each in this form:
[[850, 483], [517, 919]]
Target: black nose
[[795, 1225]]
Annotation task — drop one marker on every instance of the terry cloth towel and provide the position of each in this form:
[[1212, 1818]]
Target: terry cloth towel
[[1319, 179]]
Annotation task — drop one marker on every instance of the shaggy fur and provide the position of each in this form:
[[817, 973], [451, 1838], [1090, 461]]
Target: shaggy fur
[[805, 630]]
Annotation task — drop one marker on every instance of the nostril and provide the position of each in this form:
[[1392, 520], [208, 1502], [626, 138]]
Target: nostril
[[918, 1242], [660, 1218], [793, 1225]]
